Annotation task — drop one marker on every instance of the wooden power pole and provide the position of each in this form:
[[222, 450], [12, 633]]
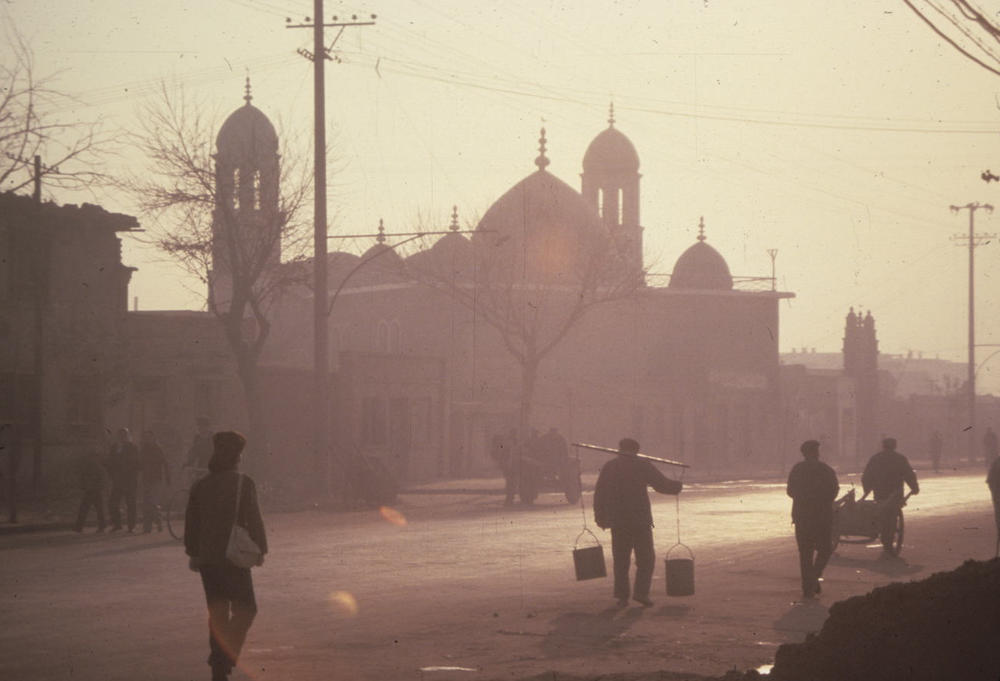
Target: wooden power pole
[[974, 240], [321, 360]]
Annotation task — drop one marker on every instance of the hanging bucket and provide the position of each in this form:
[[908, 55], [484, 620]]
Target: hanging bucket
[[680, 572], [588, 561]]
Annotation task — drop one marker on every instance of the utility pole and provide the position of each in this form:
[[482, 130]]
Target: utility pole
[[321, 360], [974, 240]]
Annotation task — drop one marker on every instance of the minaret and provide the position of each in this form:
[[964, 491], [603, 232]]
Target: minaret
[[246, 220], [610, 184], [861, 364]]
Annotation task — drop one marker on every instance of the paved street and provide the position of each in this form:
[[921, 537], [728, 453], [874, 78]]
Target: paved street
[[456, 582]]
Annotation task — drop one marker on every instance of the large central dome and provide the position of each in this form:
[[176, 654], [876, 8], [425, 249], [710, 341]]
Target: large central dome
[[542, 224]]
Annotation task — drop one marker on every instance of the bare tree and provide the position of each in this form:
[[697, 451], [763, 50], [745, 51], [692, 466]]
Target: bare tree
[[965, 27], [185, 219], [68, 150], [534, 291]]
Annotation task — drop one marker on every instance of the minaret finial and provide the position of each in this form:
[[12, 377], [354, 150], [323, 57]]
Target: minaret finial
[[247, 97], [541, 161], [701, 228], [380, 237], [611, 114], [454, 219]]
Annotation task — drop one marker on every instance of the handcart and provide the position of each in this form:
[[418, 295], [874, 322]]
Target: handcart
[[858, 521]]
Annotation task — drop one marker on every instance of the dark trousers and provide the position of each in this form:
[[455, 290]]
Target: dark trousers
[[815, 547], [625, 540], [91, 497], [231, 609], [151, 494], [119, 492]]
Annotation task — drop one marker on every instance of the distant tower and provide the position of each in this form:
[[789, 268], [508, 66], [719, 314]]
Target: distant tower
[[861, 364], [610, 185], [246, 220]]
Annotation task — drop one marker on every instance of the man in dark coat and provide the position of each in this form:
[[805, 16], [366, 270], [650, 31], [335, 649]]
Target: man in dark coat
[[209, 519], [91, 477], [884, 476], [621, 504], [155, 477], [813, 486], [123, 469], [993, 480]]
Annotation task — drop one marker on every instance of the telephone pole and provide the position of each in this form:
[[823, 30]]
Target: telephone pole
[[321, 360], [974, 240]]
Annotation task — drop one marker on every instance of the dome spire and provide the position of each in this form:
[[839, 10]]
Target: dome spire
[[611, 114], [454, 219], [701, 228], [541, 161], [247, 97], [380, 237]]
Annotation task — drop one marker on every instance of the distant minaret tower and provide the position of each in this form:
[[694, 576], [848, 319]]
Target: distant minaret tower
[[861, 364], [610, 184], [246, 220]]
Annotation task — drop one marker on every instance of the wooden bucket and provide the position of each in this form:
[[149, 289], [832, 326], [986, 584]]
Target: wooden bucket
[[680, 572], [588, 561]]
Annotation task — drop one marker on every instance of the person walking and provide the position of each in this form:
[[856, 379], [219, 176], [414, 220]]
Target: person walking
[[208, 522], [155, 476], [991, 447], [90, 474], [993, 480], [123, 468], [884, 476], [813, 487], [621, 504]]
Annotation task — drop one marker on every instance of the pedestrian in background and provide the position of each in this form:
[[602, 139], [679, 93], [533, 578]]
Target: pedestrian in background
[[813, 487], [993, 480], [621, 504], [90, 475], [884, 476], [155, 478], [208, 523], [934, 447], [123, 469]]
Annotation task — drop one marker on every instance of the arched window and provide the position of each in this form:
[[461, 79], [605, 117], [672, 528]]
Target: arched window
[[236, 189], [256, 190], [621, 206]]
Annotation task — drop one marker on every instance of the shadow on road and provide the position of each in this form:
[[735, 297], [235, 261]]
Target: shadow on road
[[132, 548], [576, 632]]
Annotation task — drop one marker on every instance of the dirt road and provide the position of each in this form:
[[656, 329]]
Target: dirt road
[[456, 582]]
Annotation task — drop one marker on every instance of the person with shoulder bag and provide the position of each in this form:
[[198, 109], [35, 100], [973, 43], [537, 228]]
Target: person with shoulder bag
[[224, 537]]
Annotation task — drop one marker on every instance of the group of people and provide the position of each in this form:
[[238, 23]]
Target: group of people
[[527, 462], [133, 468], [128, 466]]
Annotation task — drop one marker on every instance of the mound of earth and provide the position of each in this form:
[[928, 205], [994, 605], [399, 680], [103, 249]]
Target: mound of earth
[[944, 627]]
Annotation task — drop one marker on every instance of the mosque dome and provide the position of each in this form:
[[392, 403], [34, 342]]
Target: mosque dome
[[611, 151], [247, 134], [701, 267], [449, 255]]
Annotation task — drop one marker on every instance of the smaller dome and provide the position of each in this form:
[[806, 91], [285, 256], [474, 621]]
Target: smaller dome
[[611, 151], [701, 267], [247, 133]]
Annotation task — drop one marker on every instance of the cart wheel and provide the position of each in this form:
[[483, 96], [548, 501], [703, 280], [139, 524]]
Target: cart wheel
[[897, 535]]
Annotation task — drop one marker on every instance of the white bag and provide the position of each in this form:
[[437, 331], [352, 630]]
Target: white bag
[[241, 551]]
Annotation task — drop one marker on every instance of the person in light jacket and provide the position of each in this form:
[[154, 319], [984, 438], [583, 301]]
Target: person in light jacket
[[209, 519]]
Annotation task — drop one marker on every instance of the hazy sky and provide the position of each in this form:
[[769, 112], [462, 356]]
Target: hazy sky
[[838, 135]]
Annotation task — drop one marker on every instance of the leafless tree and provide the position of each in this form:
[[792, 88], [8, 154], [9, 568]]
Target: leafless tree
[[533, 292], [178, 197], [69, 150], [965, 27]]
